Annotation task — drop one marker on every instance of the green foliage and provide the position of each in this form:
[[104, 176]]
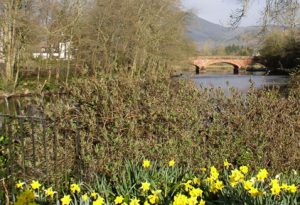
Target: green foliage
[[3, 154], [281, 49], [238, 50]]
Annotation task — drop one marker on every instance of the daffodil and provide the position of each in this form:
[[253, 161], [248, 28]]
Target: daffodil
[[236, 177], [202, 202], [49, 192], [35, 185], [20, 185], [171, 163], [248, 185], [275, 189], [85, 197], [219, 185], [94, 195], [214, 174], [253, 192], [196, 192], [156, 192], [244, 169], [192, 201], [119, 200], [196, 181], [146, 163], [153, 199], [180, 199], [75, 188], [216, 186], [66, 200], [187, 185], [145, 186], [99, 201], [226, 164], [262, 175], [134, 201], [292, 188], [285, 187]]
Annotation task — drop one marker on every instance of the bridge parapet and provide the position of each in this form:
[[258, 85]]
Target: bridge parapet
[[236, 61]]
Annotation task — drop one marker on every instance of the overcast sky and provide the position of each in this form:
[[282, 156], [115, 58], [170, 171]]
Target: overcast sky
[[218, 11]]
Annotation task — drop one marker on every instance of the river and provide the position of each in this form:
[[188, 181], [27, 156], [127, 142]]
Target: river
[[242, 82]]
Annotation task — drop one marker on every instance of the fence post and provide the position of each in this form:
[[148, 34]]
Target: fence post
[[10, 166], [78, 162], [33, 143]]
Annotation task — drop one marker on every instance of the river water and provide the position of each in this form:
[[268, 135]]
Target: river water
[[242, 81]]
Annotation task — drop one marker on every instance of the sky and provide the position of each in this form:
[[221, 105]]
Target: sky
[[218, 11]]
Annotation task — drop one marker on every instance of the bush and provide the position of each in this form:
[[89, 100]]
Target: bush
[[158, 118]]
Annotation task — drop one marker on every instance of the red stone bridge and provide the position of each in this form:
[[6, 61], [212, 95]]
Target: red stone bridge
[[237, 62]]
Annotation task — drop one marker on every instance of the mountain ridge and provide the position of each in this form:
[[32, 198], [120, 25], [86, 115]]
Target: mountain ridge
[[202, 31]]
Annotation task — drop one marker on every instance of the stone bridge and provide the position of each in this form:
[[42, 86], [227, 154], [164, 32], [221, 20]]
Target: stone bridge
[[237, 62]]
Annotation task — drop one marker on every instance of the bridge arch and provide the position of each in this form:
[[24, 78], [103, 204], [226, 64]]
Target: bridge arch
[[237, 62], [223, 62]]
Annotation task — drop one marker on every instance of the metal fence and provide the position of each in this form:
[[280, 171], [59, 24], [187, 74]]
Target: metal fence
[[34, 147]]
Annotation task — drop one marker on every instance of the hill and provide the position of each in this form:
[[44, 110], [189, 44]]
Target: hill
[[202, 31]]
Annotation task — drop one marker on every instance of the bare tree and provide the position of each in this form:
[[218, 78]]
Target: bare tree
[[18, 25], [282, 12]]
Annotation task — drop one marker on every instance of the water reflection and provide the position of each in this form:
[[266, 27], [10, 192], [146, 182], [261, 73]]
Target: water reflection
[[241, 82]]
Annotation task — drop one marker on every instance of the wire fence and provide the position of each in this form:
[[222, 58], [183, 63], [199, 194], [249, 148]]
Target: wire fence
[[35, 148]]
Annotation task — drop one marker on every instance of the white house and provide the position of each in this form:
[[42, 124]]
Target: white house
[[63, 52], [1, 47]]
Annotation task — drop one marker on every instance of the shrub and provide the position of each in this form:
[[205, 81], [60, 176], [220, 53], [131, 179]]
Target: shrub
[[113, 119]]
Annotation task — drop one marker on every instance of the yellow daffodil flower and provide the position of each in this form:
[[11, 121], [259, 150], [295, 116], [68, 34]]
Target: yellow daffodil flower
[[145, 186], [202, 202], [119, 200], [192, 201], [99, 201], [292, 188], [248, 185], [75, 188], [49, 192], [94, 195], [253, 192], [226, 164], [66, 200], [134, 201], [262, 175], [146, 164], [244, 169], [35, 185], [20, 185], [85, 197], [196, 192], [196, 181], [214, 174], [153, 199], [171, 163], [180, 199]]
